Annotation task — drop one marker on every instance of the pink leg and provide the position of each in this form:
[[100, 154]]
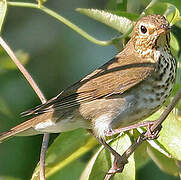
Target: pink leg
[[118, 163], [134, 126]]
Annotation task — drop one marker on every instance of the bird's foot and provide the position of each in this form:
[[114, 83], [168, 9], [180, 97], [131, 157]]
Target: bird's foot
[[151, 135], [111, 132]]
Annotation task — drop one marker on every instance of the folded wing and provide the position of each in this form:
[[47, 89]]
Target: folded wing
[[115, 77]]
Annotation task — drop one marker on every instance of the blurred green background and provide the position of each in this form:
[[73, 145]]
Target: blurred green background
[[58, 58]]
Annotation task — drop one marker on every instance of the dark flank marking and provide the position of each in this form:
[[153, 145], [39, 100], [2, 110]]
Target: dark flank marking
[[157, 106], [161, 66], [166, 95], [145, 100], [167, 65], [170, 91], [173, 79], [167, 81], [171, 67], [162, 93], [164, 101], [164, 70]]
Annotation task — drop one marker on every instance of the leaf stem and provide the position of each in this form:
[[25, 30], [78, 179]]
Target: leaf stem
[[68, 23], [63, 20]]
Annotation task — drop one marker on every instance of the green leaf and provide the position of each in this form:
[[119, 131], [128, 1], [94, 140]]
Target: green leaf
[[155, 144], [117, 5], [169, 140], [65, 149], [164, 163], [178, 78], [176, 3], [177, 85], [157, 8], [99, 165], [76, 168], [121, 24], [178, 24], [9, 178], [141, 156], [95, 162], [131, 16], [174, 44], [167, 9], [7, 63], [172, 14], [3, 10], [170, 136]]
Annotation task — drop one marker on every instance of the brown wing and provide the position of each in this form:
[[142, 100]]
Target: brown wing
[[116, 76]]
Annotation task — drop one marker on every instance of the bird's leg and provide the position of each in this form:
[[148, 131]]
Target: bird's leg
[[148, 124], [112, 132], [118, 163]]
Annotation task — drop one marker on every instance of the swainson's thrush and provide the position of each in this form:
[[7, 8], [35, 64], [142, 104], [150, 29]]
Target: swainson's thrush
[[127, 89]]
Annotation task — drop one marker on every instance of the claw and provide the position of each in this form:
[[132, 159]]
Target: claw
[[151, 135]]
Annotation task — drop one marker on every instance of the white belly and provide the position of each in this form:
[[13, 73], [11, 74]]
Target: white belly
[[67, 124]]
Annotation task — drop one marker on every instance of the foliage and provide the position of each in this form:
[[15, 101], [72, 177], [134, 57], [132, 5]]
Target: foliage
[[72, 148]]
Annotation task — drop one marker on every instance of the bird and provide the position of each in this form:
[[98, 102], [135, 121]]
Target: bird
[[121, 93]]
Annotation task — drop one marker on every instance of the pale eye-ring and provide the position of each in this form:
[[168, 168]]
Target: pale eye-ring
[[143, 29]]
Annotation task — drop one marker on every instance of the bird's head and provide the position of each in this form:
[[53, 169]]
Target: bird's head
[[151, 32]]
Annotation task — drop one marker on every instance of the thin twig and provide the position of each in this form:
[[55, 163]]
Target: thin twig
[[44, 147], [23, 70], [144, 135], [39, 94]]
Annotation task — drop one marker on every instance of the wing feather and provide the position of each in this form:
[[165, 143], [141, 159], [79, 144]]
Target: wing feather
[[115, 77]]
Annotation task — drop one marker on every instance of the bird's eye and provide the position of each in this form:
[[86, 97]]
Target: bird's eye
[[143, 29]]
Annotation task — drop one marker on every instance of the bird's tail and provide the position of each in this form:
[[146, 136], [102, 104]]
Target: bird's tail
[[22, 128]]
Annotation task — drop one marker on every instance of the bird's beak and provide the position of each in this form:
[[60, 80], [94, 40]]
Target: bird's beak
[[164, 29]]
